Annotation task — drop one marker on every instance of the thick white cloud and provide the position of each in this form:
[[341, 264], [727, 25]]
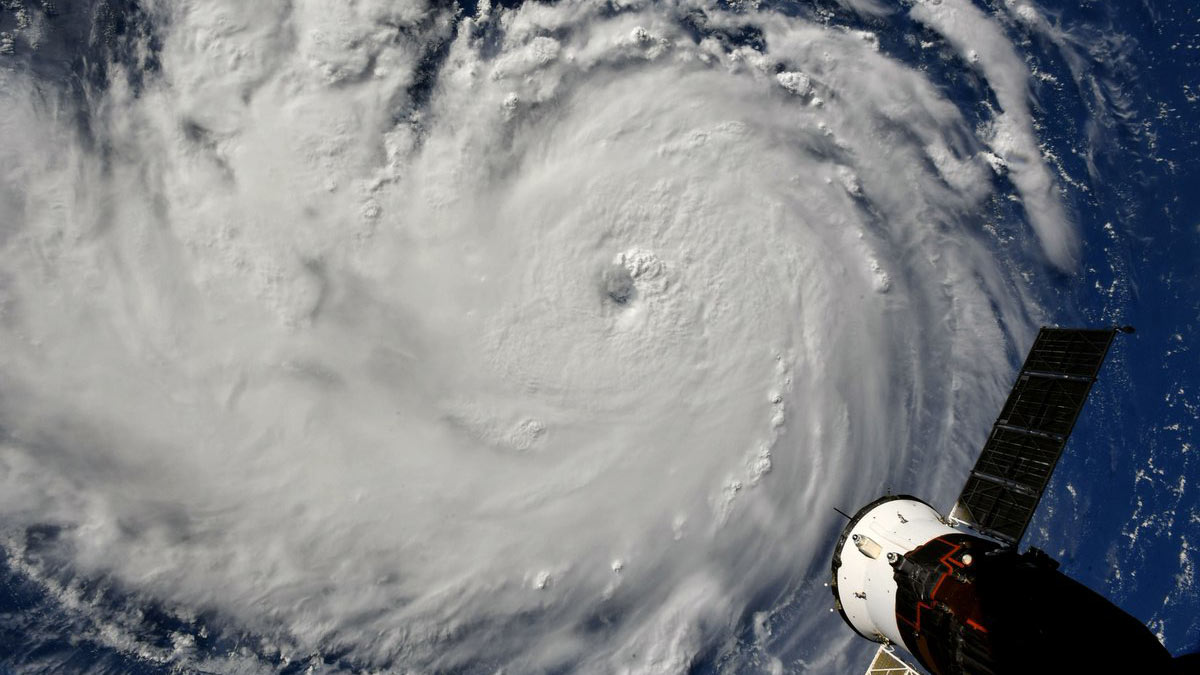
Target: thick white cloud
[[567, 364]]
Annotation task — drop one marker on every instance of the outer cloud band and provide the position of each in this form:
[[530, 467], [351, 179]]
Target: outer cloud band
[[553, 347]]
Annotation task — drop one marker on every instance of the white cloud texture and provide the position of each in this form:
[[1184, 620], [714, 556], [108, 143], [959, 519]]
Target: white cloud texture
[[551, 348]]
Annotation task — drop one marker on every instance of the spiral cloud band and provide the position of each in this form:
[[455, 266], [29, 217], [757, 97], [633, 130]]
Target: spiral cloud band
[[533, 338]]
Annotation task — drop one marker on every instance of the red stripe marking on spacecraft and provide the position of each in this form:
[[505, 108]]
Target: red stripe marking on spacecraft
[[950, 564]]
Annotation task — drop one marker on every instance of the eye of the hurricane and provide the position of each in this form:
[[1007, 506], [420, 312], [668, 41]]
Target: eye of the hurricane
[[633, 274], [525, 338], [616, 283]]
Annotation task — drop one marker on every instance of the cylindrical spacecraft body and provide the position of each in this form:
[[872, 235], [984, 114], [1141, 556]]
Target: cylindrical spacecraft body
[[963, 603], [864, 584]]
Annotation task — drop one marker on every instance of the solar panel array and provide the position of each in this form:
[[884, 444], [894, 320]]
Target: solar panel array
[[1027, 439], [887, 663]]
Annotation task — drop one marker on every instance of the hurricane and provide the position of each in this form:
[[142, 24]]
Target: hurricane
[[499, 337]]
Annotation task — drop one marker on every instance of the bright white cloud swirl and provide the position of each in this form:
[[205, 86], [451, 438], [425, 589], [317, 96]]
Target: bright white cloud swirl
[[550, 349]]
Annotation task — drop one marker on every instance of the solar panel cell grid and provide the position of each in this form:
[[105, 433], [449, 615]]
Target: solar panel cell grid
[[1015, 465]]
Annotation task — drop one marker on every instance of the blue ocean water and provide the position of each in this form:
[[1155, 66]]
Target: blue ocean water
[[1122, 513]]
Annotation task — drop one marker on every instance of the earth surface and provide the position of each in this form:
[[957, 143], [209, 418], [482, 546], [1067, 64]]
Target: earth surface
[[545, 337]]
